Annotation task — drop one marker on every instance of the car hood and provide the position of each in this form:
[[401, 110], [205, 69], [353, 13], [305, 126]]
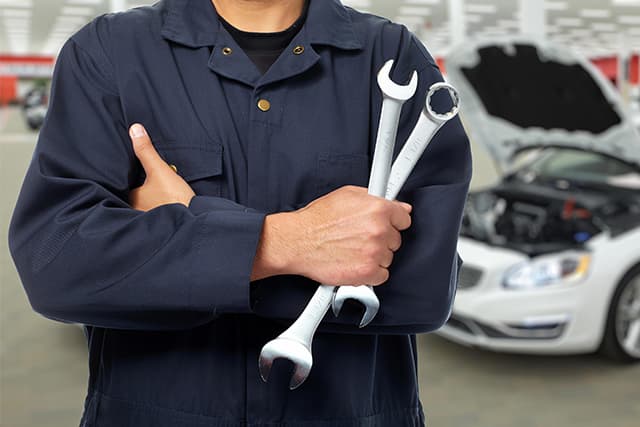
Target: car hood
[[516, 94]]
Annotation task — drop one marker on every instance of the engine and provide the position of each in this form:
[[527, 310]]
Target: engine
[[539, 219]]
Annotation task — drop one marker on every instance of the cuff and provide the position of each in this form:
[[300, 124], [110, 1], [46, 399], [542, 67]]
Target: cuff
[[225, 250]]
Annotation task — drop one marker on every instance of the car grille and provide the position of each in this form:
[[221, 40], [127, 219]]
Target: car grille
[[469, 277]]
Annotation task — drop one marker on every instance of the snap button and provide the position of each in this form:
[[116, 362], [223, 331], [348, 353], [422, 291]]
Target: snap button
[[298, 50], [174, 167], [227, 51], [264, 105]]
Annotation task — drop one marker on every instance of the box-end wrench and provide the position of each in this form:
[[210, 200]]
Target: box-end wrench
[[428, 125], [394, 97], [295, 343]]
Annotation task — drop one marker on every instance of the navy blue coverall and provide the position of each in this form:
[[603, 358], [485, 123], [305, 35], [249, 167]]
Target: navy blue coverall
[[173, 323]]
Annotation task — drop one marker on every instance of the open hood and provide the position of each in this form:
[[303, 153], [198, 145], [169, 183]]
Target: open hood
[[516, 93]]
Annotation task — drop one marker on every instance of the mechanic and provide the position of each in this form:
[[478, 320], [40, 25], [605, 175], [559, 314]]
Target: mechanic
[[183, 262]]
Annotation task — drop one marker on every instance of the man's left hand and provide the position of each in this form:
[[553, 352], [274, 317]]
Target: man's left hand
[[163, 185]]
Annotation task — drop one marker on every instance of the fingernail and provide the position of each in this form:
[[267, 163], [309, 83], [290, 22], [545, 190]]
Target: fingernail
[[137, 131]]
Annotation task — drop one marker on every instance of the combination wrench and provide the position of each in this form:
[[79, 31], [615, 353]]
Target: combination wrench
[[428, 125], [394, 97], [294, 344]]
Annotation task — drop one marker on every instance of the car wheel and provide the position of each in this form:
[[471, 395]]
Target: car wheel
[[33, 124], [622, 333]]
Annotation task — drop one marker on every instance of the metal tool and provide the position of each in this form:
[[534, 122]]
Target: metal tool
[[428, 125], [294, 344], [394, 97]]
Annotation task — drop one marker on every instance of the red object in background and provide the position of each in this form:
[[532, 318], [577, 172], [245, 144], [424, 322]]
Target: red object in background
[[8, 89], [440, 62], [12, 68], [634, 70]]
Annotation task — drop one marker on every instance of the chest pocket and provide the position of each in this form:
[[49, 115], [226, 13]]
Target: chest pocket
[[336, 170], [201, 167]]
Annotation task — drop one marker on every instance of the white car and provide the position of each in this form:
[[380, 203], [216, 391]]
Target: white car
[[552, 252]]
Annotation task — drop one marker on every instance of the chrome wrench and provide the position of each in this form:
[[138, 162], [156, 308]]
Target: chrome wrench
[[394, 97], [428, 125], [294, 344]]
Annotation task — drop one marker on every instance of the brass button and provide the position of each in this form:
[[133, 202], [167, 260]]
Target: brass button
[[227, 51], [264, 105], [174, 167], [298, 50]]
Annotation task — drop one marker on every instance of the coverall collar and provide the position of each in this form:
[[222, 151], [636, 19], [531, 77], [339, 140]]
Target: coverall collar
[[195, 23]]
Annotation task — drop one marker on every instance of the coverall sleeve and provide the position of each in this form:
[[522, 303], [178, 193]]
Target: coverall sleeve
[[84, 255]]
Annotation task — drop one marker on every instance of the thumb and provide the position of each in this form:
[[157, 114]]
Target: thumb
[[144, 149]]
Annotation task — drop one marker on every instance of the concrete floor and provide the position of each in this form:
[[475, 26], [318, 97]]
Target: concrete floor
[[43, 369]]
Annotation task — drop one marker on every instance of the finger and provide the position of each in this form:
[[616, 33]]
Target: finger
[[394, 241], [406, 206], [381, 276], [400, 218], [144, 149], [387, 259]]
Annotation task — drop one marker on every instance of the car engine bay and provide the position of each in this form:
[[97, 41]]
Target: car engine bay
[[540, 218]]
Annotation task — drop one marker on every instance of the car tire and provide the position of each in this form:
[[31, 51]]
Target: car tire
[[613, 346], [34, 124]]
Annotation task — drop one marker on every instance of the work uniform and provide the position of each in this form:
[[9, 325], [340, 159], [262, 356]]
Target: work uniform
[[174, 325]]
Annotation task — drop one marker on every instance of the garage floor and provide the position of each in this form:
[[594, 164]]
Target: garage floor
[[43, 364]]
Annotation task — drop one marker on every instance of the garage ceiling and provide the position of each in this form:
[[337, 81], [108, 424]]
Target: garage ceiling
[[596, 27]]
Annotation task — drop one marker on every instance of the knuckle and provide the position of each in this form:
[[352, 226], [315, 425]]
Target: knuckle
[[377, 230], [371, 251], [368, 271]]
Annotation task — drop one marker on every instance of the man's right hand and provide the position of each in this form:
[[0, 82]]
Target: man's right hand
[[344, 238]]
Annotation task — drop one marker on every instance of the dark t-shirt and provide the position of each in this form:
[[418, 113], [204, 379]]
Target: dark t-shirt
[[265, 48]]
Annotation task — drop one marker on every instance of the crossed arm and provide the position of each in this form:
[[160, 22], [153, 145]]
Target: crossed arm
[[345, 237]]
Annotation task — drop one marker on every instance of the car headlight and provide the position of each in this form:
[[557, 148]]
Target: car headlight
[[565, 268]]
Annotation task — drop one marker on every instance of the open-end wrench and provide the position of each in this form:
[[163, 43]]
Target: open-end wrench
[[295, 343], [394, 97]]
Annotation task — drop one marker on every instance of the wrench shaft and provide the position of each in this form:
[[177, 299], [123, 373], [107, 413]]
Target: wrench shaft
[[385, 141], [411, 152], [303, 329]]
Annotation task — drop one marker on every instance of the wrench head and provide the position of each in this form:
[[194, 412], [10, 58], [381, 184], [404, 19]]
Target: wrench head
[[391, 89], [455, 99], [362, 294], [285, 348]]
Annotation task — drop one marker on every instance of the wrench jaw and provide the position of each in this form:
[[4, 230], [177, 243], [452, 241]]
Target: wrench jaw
[[362, 294], [390, 89], [286, 348]]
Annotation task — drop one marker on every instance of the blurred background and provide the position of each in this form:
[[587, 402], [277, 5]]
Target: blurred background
[[546, 326]]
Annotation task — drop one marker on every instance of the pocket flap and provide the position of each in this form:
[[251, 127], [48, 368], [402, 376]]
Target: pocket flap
[[193, 163]]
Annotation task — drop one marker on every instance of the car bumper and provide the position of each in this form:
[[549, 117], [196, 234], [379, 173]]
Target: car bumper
[[550, 320]]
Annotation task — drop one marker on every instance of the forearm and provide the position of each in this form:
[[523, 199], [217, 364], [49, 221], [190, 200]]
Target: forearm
[[275, 254], [97, 261]]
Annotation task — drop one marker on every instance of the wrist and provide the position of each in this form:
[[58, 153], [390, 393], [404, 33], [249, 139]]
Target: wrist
[[277, 253]]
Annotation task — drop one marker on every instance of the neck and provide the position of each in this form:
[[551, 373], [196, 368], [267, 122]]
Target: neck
[[260, 16]]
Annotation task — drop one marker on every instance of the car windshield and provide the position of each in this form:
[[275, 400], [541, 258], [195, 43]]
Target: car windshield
[[574, 165]]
